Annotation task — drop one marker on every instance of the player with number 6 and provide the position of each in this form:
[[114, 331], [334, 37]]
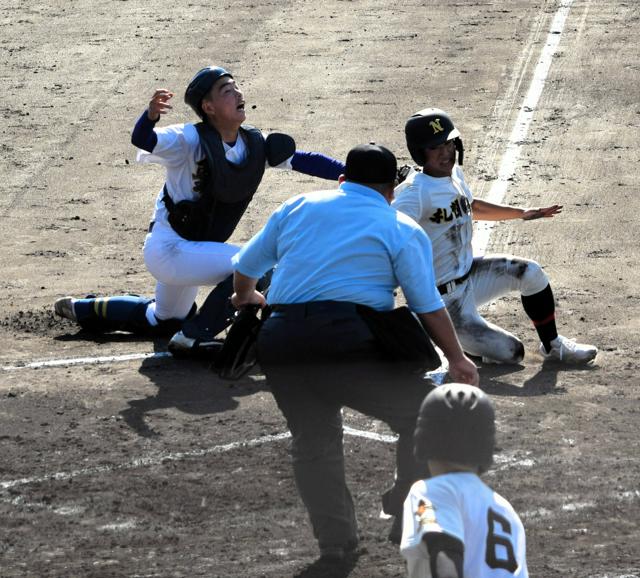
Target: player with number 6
[[454, 525]]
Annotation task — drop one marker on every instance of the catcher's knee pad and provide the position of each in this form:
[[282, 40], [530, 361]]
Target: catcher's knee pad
[[168, 327], [216, 312]]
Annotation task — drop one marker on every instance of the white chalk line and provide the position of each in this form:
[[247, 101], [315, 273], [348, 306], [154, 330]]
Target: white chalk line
[[437, 376], [503, 461], [569, 506], [178, 456], [521, 126], [506, 103], [86, 360]]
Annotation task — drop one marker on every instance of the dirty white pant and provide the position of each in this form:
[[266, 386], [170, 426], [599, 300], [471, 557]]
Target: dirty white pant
[[492, 276], [180, 267]]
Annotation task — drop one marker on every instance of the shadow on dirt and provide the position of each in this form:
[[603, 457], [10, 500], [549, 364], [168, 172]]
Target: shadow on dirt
[[189, 386], [543, 382], [495, 380]]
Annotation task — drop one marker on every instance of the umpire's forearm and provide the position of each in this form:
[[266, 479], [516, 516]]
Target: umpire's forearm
[[243, 286], [245, 292], [440, 328]]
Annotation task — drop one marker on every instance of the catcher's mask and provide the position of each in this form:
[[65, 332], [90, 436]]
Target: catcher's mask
[[201, 84], [429, 128], [456, 424]]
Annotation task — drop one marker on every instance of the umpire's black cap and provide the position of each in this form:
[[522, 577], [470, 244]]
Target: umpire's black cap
[[371, 163]]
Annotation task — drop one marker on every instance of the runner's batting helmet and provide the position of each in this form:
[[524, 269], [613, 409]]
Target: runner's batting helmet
[[429, 128], [456, 424], [201, 84]]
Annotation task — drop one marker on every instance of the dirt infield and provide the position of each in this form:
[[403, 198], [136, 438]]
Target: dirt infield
[[150, 466]]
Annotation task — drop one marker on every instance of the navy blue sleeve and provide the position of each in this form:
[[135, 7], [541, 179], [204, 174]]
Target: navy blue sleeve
[[317, 165], [143, 135]]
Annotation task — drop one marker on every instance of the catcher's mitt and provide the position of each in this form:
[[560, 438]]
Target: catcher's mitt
[[238, 353], [404, 171]]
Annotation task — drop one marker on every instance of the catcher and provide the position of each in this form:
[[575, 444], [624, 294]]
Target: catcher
[[213, 170]]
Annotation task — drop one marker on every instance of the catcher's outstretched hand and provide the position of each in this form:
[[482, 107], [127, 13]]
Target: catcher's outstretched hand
[[159, 103], [541, 213]]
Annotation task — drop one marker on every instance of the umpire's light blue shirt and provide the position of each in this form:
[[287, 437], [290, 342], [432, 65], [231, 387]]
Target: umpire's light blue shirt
[[343, 245]]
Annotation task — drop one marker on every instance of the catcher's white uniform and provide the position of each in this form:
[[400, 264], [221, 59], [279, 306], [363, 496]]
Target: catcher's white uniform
[[442, 207], [180, 266], [461, 505]]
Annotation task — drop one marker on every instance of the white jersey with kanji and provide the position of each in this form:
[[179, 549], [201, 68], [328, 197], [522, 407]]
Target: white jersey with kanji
[[442, 207], [461, 505]]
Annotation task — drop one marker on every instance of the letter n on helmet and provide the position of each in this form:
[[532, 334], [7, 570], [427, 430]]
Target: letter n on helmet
[[429, 128]]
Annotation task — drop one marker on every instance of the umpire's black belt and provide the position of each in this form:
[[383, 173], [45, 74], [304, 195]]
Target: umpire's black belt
[[451, 285], [302, 310]]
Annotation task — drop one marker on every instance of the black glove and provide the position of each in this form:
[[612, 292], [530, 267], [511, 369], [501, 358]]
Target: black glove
[[403, 172]]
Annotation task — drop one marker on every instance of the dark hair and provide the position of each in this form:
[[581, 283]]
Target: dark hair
[[371, 163], [201, 84]]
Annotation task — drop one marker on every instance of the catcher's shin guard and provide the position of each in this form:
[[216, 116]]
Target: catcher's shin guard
[[214, 315], [119, 313]]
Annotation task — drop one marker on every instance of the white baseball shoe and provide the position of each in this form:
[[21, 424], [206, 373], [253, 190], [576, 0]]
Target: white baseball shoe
[[568, 351], [181, 345], [64, 308]]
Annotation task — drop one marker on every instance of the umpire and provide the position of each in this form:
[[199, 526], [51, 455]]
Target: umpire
[[331, 251]]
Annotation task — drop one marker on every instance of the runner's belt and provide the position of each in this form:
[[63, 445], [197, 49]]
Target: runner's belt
[[451, 285]]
